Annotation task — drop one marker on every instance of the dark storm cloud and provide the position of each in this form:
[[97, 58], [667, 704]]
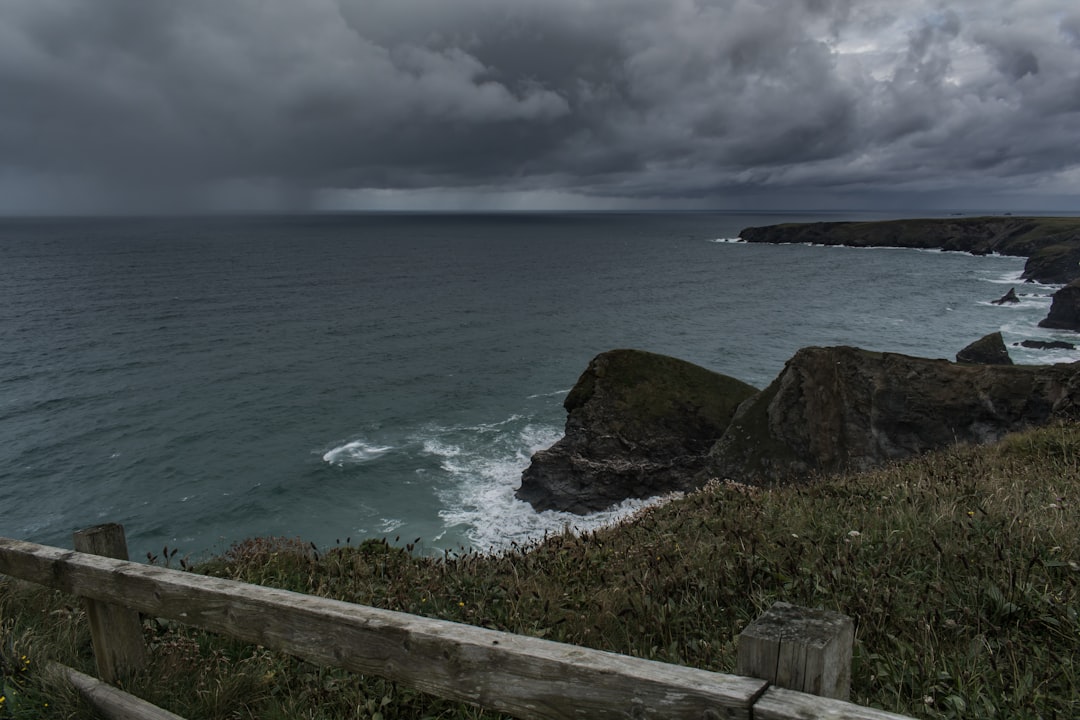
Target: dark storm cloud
[[250, 102]]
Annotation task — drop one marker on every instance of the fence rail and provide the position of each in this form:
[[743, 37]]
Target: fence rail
[[518, 675]]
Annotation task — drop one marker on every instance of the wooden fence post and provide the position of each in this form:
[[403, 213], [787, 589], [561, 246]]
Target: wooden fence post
[[115, 630], [799, 649]]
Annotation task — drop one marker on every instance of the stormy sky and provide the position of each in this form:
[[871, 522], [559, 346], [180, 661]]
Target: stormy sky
[[194, 105]]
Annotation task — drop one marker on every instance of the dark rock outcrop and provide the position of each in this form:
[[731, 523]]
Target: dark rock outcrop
[[638, 425], [1009, 297], [1054, 264], [1047, 344], [1065, 310], [987, 350], [842, 408]]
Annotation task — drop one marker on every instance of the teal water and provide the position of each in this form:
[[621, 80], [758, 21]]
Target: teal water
[[332, 377]]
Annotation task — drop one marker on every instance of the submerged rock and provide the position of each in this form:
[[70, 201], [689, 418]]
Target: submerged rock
[[1047, 344], [638, 425], [842, 408], [987, 350]]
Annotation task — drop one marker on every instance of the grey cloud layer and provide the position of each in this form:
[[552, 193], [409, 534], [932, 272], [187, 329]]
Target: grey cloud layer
[[682, 98]]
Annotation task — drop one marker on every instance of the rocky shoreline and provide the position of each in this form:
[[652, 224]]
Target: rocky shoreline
[[641, 424]]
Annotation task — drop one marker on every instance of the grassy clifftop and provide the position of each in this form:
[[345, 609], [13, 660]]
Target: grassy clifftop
[[960, 568]]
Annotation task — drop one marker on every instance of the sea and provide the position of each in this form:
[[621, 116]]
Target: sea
[[339, 377]]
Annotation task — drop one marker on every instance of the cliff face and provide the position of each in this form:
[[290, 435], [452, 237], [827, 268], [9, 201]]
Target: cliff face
[[840, 408], [641, 424], [1065, 311], [638, 424], [1052, 245]]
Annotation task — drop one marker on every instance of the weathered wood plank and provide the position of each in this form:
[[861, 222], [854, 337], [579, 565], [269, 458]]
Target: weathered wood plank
[[800, 649], [522, 676], [111, 702], [116, 631], [783, 704]]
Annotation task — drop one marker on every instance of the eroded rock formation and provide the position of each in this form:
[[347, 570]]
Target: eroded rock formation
[[840, 408], [1065, 310], [1009, 297], [638, 424], [987, 350], [641, 424]]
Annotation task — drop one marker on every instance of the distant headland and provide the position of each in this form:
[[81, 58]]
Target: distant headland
[[1050, 244]]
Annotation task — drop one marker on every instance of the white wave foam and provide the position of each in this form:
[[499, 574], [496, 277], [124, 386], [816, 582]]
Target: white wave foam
[[555, 393], [389, 525], [732, 241], [1013, 277], [357, 451], [433, 446], [482, 503]]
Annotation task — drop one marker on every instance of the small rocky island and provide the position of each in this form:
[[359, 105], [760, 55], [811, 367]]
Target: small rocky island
[[641, 424]]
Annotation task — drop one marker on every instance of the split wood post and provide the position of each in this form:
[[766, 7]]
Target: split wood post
[[115, 630], [799, 649]]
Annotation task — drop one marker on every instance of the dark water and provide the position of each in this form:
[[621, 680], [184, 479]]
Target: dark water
[[206, 380]]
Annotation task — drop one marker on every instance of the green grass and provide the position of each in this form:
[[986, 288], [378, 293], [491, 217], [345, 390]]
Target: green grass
[[961, 570]]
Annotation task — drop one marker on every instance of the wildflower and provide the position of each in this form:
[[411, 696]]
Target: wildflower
[[971, 513], [854, 533], [460, 604]]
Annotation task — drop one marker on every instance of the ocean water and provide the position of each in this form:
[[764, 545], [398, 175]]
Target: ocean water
[[344, 377]]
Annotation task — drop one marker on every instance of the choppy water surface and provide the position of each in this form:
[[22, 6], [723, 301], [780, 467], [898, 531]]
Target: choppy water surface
[[333, 377]]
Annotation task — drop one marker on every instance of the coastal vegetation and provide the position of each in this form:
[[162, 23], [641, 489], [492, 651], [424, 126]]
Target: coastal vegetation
[[960, 568]]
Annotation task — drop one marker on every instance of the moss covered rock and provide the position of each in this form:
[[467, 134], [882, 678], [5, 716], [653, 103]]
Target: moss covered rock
[[638, 425]]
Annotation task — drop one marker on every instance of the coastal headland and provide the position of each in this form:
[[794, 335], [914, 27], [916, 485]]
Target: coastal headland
[[641, 424], [1050, 244]]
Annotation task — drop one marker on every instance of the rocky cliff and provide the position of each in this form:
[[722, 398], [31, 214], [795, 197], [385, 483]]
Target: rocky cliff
[[1065, 310], [641, 424], [638, 424], [841, 408]]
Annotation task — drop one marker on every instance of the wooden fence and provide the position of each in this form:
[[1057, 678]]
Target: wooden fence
[[522, 676]]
